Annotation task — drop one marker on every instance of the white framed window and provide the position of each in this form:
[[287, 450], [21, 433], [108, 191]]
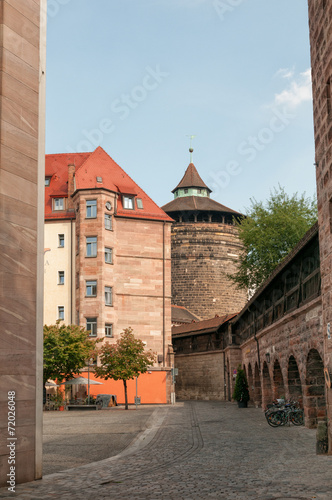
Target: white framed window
[[91, 209], [58, 204], [108, 330], [61, 312], [91, 326], [128, 202], [139, 203], [91, 288], [108, 255], [61, 277], [61, 240], [91, 246], [108, 296], [47, 181], [108, 222]]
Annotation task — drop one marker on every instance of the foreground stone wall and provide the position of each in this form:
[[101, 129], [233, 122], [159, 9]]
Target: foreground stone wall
[[21, 228]]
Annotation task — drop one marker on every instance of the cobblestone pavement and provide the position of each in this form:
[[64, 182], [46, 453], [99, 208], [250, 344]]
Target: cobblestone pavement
[[198, 450], [105, 434]]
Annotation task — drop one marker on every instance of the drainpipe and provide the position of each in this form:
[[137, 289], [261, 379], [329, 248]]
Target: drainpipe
[[71, 271], [71, 190], [225, 370], [164, 289]]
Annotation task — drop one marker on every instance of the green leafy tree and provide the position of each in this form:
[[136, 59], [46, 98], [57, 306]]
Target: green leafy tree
[[269, 232], [66, 349], [241, 388], [124, 360]]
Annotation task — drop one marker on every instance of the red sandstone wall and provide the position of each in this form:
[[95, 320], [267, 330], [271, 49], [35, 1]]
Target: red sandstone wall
[[138, 281], [295, 335], [201, 376], [320, 24]]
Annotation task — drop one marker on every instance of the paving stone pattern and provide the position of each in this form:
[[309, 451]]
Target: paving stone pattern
[[198, 450]]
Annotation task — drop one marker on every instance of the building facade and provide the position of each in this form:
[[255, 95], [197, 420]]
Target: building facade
[[205, 249], [320, 28], [107, 255]]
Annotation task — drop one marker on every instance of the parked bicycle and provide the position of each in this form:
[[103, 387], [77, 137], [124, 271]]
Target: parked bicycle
[[281, 412]]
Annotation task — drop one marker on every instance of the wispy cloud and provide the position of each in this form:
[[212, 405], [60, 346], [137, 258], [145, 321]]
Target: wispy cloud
[[285, 73], [298, 89]]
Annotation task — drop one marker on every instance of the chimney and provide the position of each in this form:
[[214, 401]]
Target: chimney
[[71, 185]]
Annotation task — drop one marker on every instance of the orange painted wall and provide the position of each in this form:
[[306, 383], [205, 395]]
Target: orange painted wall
[[151, 388]]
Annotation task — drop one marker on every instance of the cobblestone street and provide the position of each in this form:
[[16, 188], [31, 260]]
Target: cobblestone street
[[197, 450]]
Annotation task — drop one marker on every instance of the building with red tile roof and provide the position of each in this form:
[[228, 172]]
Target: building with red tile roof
[[107, 256], [96, 170]]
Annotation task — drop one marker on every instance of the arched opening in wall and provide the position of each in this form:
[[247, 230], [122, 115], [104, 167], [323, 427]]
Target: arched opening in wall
[[278, 382], [267, 386], [294, 381], [314, 402], [250, 383], [257, 388]]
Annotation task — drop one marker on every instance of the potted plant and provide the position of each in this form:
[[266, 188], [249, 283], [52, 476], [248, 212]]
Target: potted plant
[[241, 389], [90, 400], [58, 401]]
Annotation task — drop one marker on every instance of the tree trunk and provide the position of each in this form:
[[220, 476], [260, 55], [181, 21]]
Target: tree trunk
[[125, 391]]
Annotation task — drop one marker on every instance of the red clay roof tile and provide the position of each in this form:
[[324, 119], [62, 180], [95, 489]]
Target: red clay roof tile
[[202, 326], [191, 178]]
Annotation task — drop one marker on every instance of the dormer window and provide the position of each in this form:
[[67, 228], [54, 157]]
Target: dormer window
[[128, 202], [58, 204], [185, 190], [139, 203], [47, 181]]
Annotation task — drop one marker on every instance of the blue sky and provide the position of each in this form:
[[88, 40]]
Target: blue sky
[[137, 77]]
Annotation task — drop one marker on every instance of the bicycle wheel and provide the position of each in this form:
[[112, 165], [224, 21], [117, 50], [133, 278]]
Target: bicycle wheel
[[297, 417], [275, 418]]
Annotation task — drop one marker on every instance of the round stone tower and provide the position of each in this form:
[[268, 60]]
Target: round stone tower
[[205, 248]]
